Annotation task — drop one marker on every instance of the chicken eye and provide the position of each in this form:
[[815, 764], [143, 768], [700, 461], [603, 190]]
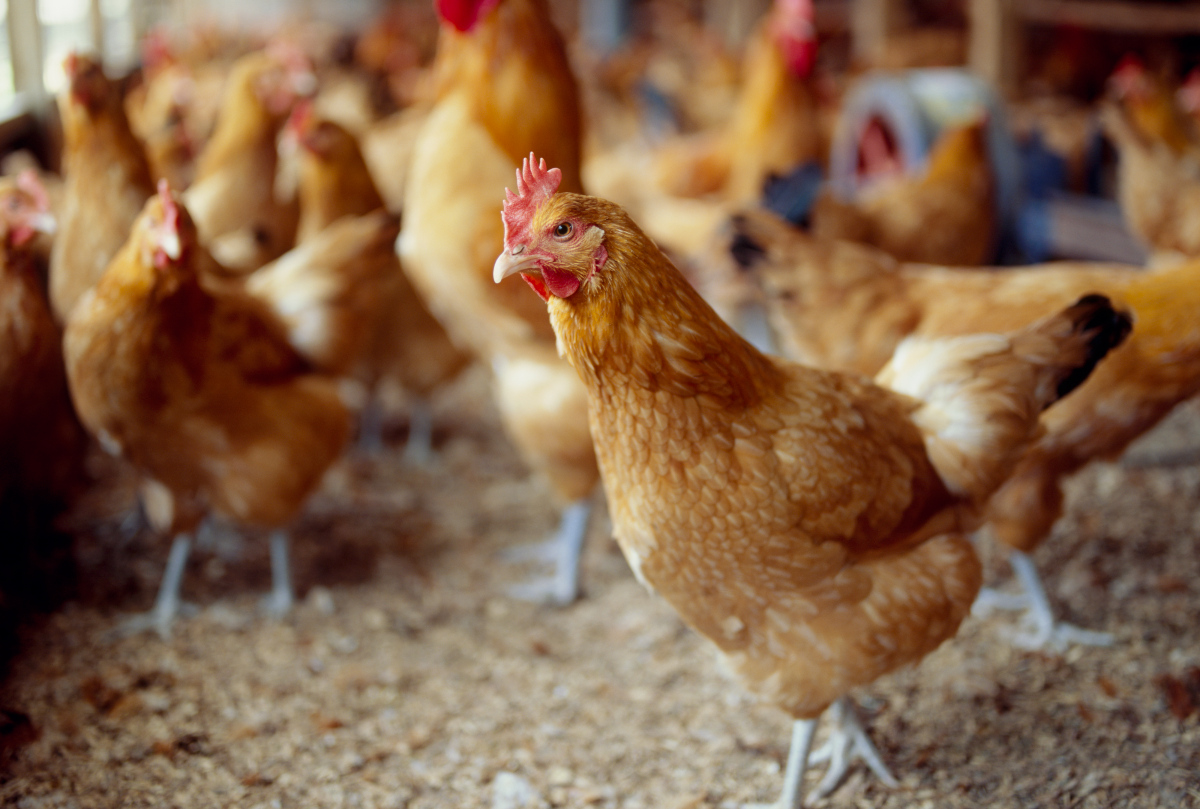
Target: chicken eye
[[562, 230]]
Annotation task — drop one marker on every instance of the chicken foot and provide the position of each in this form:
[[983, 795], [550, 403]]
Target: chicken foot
[[1040, 629], [564, 550], [418, 449], [370, 426], [279, 601], [167, 604], [847, 741]]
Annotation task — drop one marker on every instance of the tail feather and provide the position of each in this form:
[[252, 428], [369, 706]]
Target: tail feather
[[979, 396]]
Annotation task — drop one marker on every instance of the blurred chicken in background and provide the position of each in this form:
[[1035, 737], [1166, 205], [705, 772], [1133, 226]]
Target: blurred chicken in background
[[240, 217], [504, 86], [107, 182], [405, 343], [198, 387], [1158, 170], [944, 215]]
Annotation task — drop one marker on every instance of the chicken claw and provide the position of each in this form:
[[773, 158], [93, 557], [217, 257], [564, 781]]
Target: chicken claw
[[563, 550], [168, 604], [847, 741], [1039, 629]]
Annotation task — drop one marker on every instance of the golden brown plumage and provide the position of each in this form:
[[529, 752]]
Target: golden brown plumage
[[775, 125], [40, 438], [201, 392], [107, 182], [233, 199], [1159, 190], [806, 522], [945, 215], [403, 340], [504, 84], [844, 306]]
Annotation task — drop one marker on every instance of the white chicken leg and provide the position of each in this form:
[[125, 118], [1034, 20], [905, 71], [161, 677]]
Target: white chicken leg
[[167, 604], [564, 550], [1040, 629], [279, 601], [847, 741]]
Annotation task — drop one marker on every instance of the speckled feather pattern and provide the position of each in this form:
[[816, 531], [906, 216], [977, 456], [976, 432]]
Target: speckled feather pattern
[[200, 391], [805, 521]]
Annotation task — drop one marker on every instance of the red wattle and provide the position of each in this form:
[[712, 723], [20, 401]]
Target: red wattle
[[562, 284], [539, 287]]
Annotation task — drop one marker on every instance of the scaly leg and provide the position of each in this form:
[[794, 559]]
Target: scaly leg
[[1040, 629], [564, 550], [792, 796], [847, 741], [370, 426], [418, 450], [278, 602], [167, 605]]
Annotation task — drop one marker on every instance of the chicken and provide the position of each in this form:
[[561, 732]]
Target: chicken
[[406, 343], [685, 190], [843, 306], [1151, 106], [945, 215], [808, 523], [334, 179], [503, 85], [774, 127], [40, 439], [1159, 191], [233, 199], [201, 391], [107, 182]]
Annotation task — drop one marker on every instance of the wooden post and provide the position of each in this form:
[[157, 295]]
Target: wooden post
[[25, 47], [996, 43], [871, 23]]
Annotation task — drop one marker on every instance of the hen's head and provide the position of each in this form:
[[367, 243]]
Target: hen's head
[[318, 136], [464, 15], [555, 241], [794, 29], [1131, 80], [25, 209], [89, 87], [165, 231]]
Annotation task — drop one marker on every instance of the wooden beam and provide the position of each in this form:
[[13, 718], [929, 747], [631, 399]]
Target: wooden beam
[[1111, 15], [996, 43]]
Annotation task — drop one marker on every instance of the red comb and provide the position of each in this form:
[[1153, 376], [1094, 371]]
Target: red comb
[[535, 185], [71, 65], [170, 206]]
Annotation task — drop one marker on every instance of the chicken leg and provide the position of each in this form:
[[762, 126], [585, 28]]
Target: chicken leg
[[1040, 629], [168, 604], [279, 601], [418, 449], [564, 550], [847, 741]]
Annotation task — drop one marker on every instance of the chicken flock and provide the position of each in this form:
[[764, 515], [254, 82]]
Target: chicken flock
[[244, 250]]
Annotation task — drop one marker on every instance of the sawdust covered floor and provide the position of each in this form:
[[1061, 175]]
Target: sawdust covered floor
[[406, 677]]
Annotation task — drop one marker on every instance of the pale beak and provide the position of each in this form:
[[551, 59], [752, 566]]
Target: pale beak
[[44, 223], [513, 261], [171, 245]]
